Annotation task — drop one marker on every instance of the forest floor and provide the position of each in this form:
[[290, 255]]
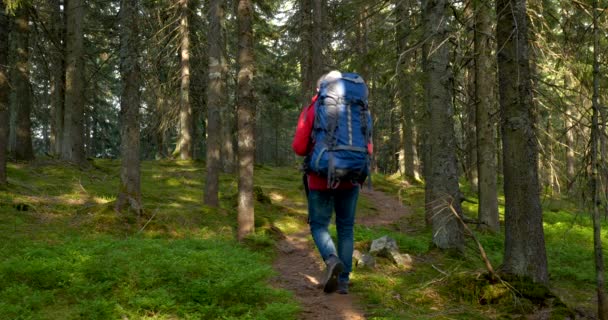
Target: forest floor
[[300, 268]]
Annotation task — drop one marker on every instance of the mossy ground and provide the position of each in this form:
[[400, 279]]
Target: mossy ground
[[66, 254]]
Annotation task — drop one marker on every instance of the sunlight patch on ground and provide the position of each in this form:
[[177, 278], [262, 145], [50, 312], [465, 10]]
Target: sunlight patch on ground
[[289, 224], [276, 197]]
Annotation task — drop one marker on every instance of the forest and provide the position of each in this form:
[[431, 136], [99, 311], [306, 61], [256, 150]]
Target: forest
[[139, 138]]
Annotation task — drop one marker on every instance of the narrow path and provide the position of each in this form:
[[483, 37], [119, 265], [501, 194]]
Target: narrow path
[[300, 268]]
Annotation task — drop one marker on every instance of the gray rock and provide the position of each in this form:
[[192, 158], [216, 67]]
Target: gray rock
[[383, 246], [363, 260], [367, 261], [402, 260]]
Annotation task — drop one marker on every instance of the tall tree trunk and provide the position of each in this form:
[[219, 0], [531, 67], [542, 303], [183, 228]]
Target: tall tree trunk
[[524, 236], [129, 192], [407, 99], [470, 103], [185, 113], [57, 76], [568, 124], [228, 126], [246, 118], [485, 119], [198, 84], [318, 65], [159, 127], [216, 97], [73, 132], [306, 66], [4, 91], [442, 182], [362, 37], [21, 83], [602, 303], [226, 111]]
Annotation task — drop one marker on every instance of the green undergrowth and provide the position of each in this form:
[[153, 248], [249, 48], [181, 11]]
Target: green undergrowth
[[442, 286], [66, 254]]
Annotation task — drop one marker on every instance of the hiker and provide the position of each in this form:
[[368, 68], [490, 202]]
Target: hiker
[[337, 150]]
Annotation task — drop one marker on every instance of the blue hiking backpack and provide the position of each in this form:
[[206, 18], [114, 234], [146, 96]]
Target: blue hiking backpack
[[342, 129]]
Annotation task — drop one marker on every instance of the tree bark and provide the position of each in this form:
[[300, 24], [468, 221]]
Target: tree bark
[[485, 119], [185, 114], [306, 71], [470, 104], [442, 183], [569, 128], [409, 160], [73, 133], [228, 121], [4, 91], [524, 236], [602, 304], [57, 76], [129, 192], [318, 65], [246, 118], [227, 113], [21, 83], [216, 99]]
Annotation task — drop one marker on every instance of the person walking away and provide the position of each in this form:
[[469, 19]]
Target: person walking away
[[334, 135]]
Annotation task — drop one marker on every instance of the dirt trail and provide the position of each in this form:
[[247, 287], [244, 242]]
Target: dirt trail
[[300, 268]]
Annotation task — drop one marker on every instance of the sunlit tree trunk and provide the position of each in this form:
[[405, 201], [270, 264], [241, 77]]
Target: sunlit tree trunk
[[485, 118], [4, 91], [129, 192], [185, 109], [21, 84], [524, 236], [246, 118], [57, 75], [216, 99], [442, 182], [73, 132]]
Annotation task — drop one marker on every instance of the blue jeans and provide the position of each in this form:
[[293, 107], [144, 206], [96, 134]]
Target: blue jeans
[[321, 205]]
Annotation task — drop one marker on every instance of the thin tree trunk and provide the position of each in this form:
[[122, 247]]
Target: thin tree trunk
[[57, 76], [470, 103], [409, 153], [4, 92], [318, 65], [159, 127], [568, 124], [442, 182], [129, 192], [216, 97], [246, 118], [306, 67], [185, 114], [21, 83], [602, 306], [198, 83], [524, 236], [485, 119], [73, 133]]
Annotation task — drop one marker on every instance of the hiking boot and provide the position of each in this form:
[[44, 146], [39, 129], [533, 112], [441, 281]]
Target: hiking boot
[[333, 269], [343, 287]]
